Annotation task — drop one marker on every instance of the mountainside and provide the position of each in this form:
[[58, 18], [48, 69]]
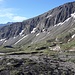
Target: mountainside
[[46, 26], [8, 23], [43, 45]]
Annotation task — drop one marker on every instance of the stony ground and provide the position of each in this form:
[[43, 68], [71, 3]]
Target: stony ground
[[35, 65]]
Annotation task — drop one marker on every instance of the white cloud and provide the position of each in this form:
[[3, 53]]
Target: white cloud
[[6, 12], [8, 15], [18, 18]]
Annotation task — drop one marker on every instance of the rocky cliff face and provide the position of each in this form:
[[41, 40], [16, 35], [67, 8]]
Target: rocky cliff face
[[39, 24]]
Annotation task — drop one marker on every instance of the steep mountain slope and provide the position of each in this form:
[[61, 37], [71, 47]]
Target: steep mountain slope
[[48, 25]]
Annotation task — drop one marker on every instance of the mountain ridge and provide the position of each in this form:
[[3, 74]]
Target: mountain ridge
[[39, 24]]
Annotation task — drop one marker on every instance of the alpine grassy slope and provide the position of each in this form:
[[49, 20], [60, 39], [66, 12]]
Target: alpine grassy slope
[[43, 45]]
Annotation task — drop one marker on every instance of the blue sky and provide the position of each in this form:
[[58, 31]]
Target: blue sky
[[19, 10]]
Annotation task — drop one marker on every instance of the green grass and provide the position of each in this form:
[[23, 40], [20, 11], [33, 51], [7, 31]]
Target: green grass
[[64, 37], [7, 50], [32, 48], [69, 45], [14, 72], [2, 68]]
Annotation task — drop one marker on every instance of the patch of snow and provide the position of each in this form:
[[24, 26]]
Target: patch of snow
[[20, 40], [5, 41], [14, 37], [67, 19], [73, 36], [38, 34], [33, 31], [2, 53], [73, 15], [21, 32], [58, 24], [61, 23], [44, 30], [2, 39], [48, 16], [55, 25]]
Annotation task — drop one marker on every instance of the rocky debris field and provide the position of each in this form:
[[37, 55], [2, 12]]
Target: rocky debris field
[[43, 65]]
